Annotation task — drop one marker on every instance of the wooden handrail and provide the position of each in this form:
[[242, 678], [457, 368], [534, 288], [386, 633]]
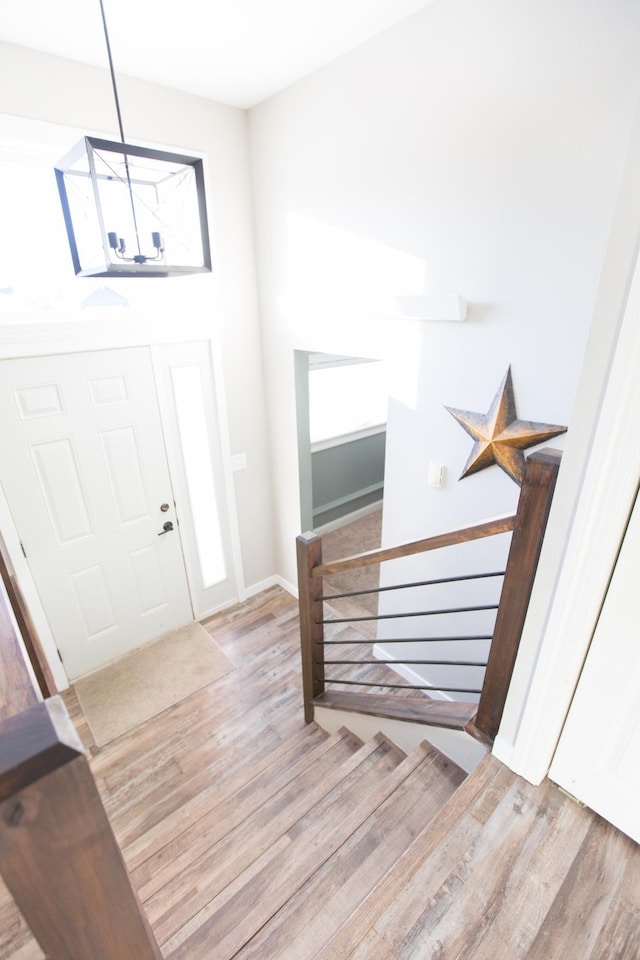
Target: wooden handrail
[[486, 528], [59, 857]]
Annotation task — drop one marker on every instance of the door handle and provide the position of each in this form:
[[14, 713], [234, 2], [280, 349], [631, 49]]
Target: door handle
[[166, 528]]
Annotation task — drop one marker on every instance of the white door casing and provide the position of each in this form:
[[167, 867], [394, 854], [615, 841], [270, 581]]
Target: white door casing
[[598, 756], [85, 475]]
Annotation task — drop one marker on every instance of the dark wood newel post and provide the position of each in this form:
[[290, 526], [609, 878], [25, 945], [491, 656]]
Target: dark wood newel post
[[58, 855], [541, 471], [309, 552]]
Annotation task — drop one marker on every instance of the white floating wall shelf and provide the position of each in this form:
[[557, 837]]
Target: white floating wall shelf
[[446, 306]]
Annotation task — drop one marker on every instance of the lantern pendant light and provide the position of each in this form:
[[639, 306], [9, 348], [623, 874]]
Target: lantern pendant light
[[133, 211]]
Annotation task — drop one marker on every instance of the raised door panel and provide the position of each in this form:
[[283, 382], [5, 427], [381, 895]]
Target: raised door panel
[[123, 464], [58, 477]]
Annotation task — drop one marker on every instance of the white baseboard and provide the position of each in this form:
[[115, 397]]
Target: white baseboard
[[275, 581], [258, 587], [289, 587], [211, 612]]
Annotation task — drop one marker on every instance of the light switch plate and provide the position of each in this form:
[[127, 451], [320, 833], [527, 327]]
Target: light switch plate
[[436, 475]]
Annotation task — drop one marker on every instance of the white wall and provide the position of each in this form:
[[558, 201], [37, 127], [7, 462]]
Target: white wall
[[475, 148], [48, 88]]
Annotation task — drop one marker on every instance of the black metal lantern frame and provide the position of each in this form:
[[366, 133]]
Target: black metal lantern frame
[[133, 211]]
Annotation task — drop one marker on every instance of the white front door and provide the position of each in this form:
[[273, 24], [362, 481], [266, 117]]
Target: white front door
[[85, 474], [598, 756]]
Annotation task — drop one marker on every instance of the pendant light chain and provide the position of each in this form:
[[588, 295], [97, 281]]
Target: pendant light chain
[[121, 128], [111, 71]]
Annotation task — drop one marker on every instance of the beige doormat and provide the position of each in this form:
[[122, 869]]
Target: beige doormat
[[142, 684]]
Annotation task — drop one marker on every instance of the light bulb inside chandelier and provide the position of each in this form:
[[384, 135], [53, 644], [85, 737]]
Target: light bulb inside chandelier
[[131, 210]]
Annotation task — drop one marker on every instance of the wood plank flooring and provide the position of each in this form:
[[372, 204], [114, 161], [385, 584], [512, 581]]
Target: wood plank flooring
[[504, 871]]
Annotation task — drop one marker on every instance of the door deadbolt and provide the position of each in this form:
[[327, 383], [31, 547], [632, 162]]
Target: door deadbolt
[[164, 507]]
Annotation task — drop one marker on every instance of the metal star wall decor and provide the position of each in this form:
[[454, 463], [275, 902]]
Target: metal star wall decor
[[499, 436]]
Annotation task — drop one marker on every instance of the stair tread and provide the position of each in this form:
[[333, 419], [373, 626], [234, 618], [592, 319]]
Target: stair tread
[[265, 833], [330, 895], [247, 904], [465, 896], [142, 787], [220, 845], [473, 800], [357, 926], [183, 854], [215, 794]]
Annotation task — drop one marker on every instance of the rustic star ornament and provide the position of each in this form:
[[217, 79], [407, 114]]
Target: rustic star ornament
[[499, 436]]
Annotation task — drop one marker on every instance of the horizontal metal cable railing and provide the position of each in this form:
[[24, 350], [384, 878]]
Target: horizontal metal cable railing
[[406, 661], [415, 583]]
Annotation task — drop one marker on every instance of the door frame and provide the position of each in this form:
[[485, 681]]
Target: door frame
[[36, 339]]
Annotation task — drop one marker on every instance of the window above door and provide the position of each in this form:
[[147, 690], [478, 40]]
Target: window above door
[[37, 280]]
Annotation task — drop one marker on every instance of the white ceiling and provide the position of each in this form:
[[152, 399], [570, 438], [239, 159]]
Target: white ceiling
[[236, 51]]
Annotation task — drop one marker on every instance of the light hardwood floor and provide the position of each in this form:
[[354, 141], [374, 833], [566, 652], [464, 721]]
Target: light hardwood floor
[[505, 870]]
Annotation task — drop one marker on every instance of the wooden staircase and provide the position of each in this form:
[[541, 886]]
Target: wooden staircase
[[343, 850], [294, 850]]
